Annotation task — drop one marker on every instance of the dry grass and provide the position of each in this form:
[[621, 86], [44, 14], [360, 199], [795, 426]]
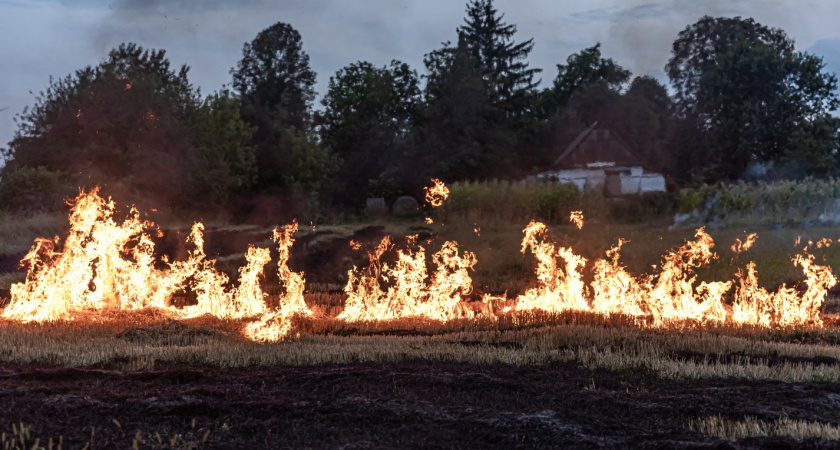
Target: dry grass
[[734, 430], [140, 341], [20, 437], [19, 230]]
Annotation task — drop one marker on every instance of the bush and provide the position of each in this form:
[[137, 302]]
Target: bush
[[643, 208], [510, 201], [549, 202], [33, 189], [786, 201]]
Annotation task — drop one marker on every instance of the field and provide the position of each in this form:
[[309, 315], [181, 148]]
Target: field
[[145, 378]]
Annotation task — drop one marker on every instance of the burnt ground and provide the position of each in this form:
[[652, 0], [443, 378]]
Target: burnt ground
[[412, 404]]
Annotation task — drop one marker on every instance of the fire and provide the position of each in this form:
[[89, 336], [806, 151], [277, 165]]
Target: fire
[[106, 264], [739, 246], [409, 291], [437, 193], [785, 307], [557, 289], [576, 217], [671, 294]]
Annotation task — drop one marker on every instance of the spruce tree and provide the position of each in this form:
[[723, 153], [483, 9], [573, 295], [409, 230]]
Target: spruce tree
[[503, 62]]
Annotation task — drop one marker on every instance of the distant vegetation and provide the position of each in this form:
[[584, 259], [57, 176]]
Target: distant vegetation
[[137, 126]]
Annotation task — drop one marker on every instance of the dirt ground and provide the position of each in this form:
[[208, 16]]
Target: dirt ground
[[405, 405]]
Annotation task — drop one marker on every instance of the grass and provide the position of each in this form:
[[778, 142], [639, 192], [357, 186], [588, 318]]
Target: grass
[[749, 427], [21, 437], [143, 341], [19, 230]]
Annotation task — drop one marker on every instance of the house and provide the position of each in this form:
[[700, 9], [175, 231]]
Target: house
[[599, 159]]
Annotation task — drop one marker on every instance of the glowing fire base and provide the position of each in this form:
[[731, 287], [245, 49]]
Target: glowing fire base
[[106, 265]]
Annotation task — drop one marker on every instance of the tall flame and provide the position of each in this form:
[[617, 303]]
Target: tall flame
[[106, 264], [409, 291], [557, 289]]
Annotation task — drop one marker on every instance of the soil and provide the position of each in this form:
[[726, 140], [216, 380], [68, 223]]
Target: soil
[[416, 404]]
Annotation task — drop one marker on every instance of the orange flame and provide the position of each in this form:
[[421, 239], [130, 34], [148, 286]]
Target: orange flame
[[577, 218], [739, 246], [107, 264], [437, 193], [557, 289], [409, 291]]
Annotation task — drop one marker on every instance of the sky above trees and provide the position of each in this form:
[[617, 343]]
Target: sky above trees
[[46, 38]]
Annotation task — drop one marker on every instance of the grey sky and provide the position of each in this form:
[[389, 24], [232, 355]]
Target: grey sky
[[44, 38]]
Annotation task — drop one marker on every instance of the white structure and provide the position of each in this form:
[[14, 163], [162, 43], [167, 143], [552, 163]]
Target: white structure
[[599, 159]]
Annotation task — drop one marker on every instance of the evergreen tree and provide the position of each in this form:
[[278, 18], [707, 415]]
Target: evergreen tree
[[489, 41]]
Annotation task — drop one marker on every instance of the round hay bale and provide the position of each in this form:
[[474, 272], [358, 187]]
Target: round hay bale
[[406, 206], [376, 207]]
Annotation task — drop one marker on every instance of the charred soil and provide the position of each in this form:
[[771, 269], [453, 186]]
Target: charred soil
[[408, 404]]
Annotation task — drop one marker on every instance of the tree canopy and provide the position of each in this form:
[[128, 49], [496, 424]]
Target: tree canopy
[[275, 85], [750, 95], [740, 95], [137, 127], [369, 113]]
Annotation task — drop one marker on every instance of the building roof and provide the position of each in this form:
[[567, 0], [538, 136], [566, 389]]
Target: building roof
[[597, 144]]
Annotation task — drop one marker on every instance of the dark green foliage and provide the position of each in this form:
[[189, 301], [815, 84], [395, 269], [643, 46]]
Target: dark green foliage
[[136, 127], [581, 69], [34, 189], [489, 40], [275, 85], [752, 98], [226, 166], [274, 76], [458, 139], [478, 121], [369, 114]]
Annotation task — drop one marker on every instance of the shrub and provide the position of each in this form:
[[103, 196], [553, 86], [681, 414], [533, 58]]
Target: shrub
[[33, 189], [505, 200], [785, 201]]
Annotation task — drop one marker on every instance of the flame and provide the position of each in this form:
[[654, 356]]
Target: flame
[[577, 218], [557, 289], [429, 221], [105, 264], [273, 325], [437, 193], [409, 291], [614, 290], [355, 245], [671, 294], [739, 246], [785, 307]]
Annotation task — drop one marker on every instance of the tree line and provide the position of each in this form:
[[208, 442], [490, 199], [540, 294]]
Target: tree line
[[742, 97]]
